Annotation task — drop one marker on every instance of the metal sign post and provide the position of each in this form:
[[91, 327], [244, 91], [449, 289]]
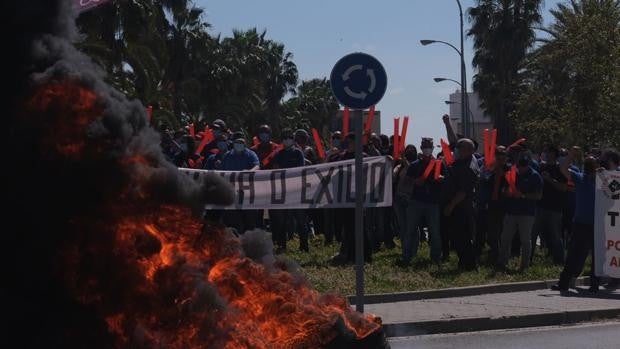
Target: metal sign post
[[358, 81]]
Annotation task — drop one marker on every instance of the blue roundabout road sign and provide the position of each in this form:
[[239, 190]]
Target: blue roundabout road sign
[[358, 80]]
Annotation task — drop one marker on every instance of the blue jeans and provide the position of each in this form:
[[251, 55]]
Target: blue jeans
[[417, 210]]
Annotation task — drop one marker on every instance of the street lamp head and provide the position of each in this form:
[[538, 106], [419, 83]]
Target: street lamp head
[[439, 79], [427, 42], [450, 102]]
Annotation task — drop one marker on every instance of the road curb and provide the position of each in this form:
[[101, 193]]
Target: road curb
[[463, 291], [488, 323]]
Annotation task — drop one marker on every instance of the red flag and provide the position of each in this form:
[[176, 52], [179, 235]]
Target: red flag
[[207, 137], [345, 121], [192, 130], [396, 141], [403, 136], [368, 125], [149, 113], [447, 153], [318, 143], [437, 169]]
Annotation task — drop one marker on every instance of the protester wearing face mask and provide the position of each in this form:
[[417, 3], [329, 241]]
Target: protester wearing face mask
[[582, 239], [301, 138], [240, 158], [286, 222], [214, 161], [457, 201], [548, 222], [265, 149], [218, 127], [403, 188], [520, 210], [423, 204]]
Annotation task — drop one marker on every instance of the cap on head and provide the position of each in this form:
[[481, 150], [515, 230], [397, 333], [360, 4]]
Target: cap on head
[[465, 143], [219, 124], [264, 129], [427, 142], [302, 133]]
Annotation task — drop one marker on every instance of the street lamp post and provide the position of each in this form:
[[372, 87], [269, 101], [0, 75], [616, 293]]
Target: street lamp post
[[461, 52]]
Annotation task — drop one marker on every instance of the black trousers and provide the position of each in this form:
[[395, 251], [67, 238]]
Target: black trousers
[[462, 223], [482, 230], [495, 225], [347, 217], [581, 244]]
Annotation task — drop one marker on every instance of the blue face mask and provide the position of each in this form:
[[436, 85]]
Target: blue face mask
[[239, 147], [456, 153], [336, 143], [222, 145], [264, 137]]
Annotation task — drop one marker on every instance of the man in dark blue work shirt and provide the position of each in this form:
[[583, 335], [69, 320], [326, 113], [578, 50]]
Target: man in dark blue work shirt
[[520, 211], [457, 196], [240, 158], [424, 204], [287, 222], [582, 238]]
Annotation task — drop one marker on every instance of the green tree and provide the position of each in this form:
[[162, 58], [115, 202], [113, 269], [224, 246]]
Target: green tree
[[572, 92], [503, 31], [314, 105]]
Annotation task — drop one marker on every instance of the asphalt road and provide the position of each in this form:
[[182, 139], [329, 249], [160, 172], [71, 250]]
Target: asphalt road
[[588, 336]]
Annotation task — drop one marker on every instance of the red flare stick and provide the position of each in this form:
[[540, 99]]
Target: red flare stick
[[493, 145], [518, 142], [368, 125], [403, 136], [149, 113], [192, 130], [345, 121], [447, 153], [437, 169], [207, 137], [511, 178], [429, 169], [396, 141], [318, 143], [271, 155], [487, 143]]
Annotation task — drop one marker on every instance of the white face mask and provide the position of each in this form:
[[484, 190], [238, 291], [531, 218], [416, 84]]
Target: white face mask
[[288, 143], [427, 151], [239, 147]]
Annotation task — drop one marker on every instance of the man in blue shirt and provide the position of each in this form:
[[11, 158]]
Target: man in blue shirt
[[423, 204], [520, 211], [286, 222], [548, 222], [582, 238], [214, 161], [240, 158]]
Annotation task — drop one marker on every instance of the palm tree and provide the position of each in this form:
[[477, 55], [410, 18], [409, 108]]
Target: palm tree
[[503, 32]]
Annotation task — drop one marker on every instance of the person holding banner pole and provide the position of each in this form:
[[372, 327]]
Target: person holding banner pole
[[582, 238]]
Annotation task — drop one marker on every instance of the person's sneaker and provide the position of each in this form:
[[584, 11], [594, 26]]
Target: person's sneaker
[[593, 289], [557, 287]]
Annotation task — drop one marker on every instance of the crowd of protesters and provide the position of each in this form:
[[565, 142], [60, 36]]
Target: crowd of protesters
[[486, 210]]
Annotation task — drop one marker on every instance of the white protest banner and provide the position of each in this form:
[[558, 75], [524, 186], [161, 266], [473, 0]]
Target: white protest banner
[[330, 185], [85, 5], [607, 224]]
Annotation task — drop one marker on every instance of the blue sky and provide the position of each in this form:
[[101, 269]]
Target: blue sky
[[319, 32]]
